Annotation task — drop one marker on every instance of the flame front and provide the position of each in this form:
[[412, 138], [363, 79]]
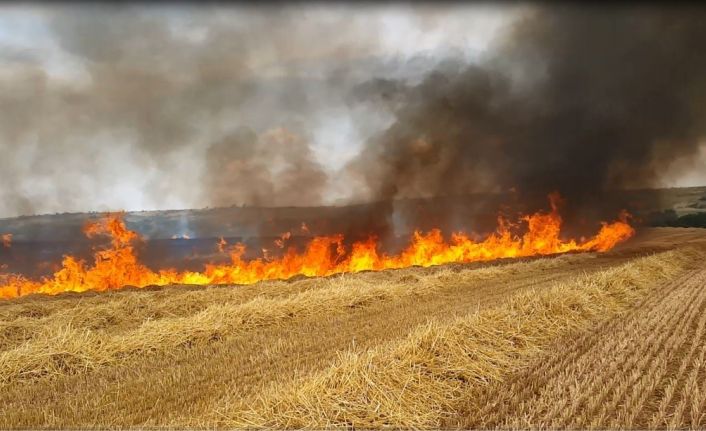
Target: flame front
[[119, 266]]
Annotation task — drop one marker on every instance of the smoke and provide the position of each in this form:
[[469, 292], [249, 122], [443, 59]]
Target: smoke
[[139, 96], [276, 168], [580, 100], [140, 107]]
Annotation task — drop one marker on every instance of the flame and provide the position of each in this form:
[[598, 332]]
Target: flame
[[221, 245], [119, 266], [279, 242], [6, 240]]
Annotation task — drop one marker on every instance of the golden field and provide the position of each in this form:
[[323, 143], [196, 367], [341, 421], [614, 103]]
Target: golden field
[[608, 340]]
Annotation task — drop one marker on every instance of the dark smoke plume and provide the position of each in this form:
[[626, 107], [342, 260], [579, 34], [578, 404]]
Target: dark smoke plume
[[578, 100], [193, 106]]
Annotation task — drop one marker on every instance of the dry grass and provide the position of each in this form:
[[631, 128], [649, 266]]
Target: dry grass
[[184, 385], [71, 341], [644, 369], [419, 381], [124, 310], [209, 357]]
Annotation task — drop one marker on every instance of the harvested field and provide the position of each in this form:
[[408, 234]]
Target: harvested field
[[641, 369], [454, 345]]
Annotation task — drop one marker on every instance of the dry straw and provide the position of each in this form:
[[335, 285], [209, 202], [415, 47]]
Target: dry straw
[[417, 383], [74, 341]]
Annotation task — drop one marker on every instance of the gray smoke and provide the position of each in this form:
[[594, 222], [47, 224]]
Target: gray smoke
[[157, 99], [276, 167], [580, 100], [213, 106]]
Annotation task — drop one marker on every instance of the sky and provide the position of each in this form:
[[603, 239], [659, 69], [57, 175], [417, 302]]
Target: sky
[[143, 107]]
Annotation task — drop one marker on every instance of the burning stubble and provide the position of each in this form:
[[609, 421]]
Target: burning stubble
[[118, 265]]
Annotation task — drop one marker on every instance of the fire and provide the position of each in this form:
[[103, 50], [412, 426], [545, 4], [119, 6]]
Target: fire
[[279, 242], [221, 245], [118, 266], [6, 240]]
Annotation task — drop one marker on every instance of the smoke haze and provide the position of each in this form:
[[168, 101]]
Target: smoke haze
[[143, 107]]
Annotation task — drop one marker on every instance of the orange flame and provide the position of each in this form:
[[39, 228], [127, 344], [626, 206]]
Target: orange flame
[[6, 240], [119, 266], [221, 245], [279, 242]]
